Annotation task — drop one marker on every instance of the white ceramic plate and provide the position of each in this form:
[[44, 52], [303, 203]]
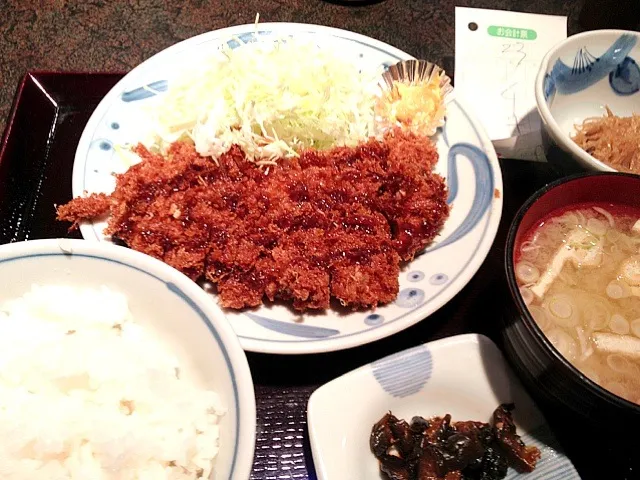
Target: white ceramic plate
[[467, 160], [465, 376]]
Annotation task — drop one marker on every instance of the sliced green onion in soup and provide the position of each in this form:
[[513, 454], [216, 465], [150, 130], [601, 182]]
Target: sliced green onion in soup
[[607, 215], [618, 324], [564, 343], [586, 242], [626, 243], [562, 310], [596, 227], [527, 273], [570, 219], [630, 270], [529, 250], [596, 314], [613, 235], [617, 289]]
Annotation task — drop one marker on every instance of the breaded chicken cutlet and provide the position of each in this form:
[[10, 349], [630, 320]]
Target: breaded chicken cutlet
[[334, 223]]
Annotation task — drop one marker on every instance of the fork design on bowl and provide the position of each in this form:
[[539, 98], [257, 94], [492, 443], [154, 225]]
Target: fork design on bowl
[[587, 69]]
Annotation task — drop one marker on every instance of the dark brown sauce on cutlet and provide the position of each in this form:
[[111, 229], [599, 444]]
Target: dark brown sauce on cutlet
[[326, 224]]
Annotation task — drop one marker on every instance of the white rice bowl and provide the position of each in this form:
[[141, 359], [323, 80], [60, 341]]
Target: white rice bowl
[[96, 384]]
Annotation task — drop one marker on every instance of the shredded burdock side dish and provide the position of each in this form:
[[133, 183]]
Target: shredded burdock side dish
[[325, 224], [612, 139]]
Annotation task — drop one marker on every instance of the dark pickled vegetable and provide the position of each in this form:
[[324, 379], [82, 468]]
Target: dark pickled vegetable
[[437, 449], [431, 464], [382, 437], [494, 465], [461, 450], [394, 467], [404, 437], [521, 457], [419, 424], [437, 428]]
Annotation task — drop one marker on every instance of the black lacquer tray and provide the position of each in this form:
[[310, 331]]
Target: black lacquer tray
[[36, 159]]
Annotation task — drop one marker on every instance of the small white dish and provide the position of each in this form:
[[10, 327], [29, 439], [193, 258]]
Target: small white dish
[[576, 80], [168, 303], [465, 376]]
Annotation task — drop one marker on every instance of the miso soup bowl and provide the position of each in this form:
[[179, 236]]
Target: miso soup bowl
[[576, 80], [547, 374]]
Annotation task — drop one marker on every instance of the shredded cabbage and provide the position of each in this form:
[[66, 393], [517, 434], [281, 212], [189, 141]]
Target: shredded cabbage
[[270, 98]]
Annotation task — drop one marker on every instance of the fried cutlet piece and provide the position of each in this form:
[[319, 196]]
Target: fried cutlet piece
[[187, 242], [151, 213], [365, 270], [84, 208], [299, 264], [327, 224], [289, 272]]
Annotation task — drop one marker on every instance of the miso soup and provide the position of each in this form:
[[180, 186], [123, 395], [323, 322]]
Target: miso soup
[[579, 274]]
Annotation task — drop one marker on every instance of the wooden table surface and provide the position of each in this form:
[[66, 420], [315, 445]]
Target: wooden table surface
[[116, 35]]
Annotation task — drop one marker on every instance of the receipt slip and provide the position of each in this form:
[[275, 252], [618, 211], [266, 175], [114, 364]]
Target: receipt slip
[[498, 54]]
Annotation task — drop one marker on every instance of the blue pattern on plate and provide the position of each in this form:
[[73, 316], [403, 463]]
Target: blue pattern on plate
[[443, 129], [147, 91], [549, 87], [625, 79], [587, 69], [295, 329], [102, 144], [410, 297], [483, 188], [374, 319], [247, 37], [115, 125], [415, 276], [405, 373], [553, 464], [438, 279]]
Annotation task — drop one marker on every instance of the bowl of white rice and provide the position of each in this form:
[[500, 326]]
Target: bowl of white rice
[[114, 365]]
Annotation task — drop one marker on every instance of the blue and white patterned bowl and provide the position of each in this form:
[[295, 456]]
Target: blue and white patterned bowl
[[175, 308], [467, 160], [465, 376], [576, 80]]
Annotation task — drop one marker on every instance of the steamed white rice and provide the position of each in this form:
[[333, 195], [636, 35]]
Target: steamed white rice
[[88, 394]]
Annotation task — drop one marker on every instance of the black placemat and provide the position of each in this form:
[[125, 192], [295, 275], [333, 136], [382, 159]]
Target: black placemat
[[36, 159]]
